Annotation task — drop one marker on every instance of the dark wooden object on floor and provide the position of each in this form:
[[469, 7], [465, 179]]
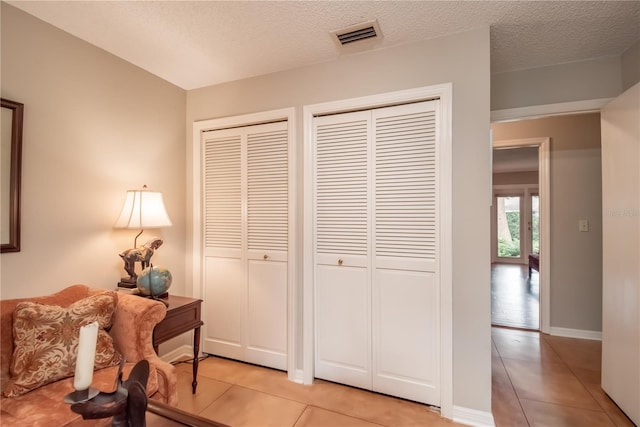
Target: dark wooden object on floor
[[534, 263], [183, 315], [161, 414]]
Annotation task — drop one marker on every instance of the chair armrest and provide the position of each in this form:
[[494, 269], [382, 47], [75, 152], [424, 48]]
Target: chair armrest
[[133, 324], [132, 333]]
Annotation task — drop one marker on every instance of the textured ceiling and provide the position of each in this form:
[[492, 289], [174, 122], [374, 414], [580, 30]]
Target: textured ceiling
[[199, 43]]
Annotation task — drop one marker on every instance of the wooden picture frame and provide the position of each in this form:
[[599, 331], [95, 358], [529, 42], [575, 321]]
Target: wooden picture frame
[[11, 170]]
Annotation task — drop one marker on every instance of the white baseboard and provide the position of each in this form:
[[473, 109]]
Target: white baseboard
[[576, 333], [472, 417], [178, 353]]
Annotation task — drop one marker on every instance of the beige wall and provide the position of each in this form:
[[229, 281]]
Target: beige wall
[[575, 81], [94, 126], [515, 178], [431, 62], [630, 64], [576, 257]]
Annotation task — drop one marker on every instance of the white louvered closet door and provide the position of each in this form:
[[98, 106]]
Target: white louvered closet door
[[343, 285], [406, 298], [246, 243], [377, 289]]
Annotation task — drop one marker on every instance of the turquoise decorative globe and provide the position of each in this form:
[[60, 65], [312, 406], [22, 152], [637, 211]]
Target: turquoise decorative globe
[[154, 281]]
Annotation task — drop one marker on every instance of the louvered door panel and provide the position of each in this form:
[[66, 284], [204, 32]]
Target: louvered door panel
[[405, 292], [267, 191], [267, 243], [223, 234], [222, 193], [341, 188], [343, 290], [405, 186]]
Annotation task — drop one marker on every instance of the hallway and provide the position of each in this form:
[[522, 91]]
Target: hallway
[[515, 297]]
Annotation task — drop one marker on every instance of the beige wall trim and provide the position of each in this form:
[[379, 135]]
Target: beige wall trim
[[184, 351], [544, 190], [537, 111], [576, 333]]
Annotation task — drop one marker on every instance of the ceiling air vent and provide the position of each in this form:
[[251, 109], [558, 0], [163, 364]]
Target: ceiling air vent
[[358, 32]]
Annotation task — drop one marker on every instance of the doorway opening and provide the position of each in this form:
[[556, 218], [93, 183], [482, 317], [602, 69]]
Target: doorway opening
[[519, 232], [514, 292]]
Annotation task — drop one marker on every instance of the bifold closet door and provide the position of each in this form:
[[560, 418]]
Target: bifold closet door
[[377, 289], [343, 282], [406, 296], [245, 222]]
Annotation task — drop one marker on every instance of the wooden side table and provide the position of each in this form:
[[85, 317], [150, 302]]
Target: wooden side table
[[183, 315]]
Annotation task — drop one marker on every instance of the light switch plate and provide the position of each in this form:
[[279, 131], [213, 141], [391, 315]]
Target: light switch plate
[[583, 225]]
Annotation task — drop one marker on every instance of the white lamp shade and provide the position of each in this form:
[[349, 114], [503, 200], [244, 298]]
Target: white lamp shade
[[143, 209]]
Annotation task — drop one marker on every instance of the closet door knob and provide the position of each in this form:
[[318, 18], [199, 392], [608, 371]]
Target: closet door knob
[[265, 256], [340, 261]]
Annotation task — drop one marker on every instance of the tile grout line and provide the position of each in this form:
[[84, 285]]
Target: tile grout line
[[347, 415], [515, 392], [303, 402], [602, 409], [310, 404], [307, 404], [564, 362], [565, 405], [269, 393], [217, 398], [300, 416]]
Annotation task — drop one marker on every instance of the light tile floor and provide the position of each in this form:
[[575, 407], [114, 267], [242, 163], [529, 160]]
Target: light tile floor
[[544, 380], [239, 395], [538, 380]]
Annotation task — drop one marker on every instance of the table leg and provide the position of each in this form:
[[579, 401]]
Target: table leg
[[196, 352]]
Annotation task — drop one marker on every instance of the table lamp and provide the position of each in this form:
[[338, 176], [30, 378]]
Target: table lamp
[[142, 209]]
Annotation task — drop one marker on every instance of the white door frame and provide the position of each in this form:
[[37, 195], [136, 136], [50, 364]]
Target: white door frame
[[442, 92], [545, 110], [544, 189], [197, 266]]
